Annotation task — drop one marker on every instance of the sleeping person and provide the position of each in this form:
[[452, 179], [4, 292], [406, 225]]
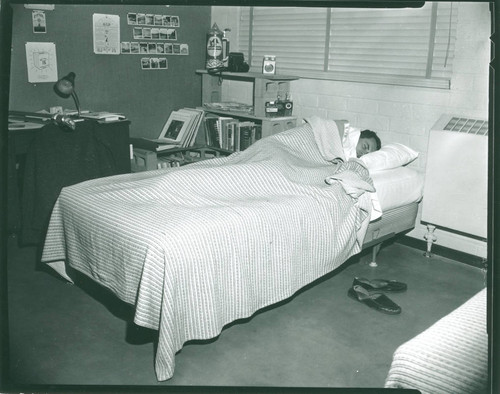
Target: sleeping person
[[357, 143]]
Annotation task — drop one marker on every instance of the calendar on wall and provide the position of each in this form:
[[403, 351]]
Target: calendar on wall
[[106, 30]]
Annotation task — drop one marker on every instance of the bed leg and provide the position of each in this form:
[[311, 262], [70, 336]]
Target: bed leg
[[431, 238], [375, 250]]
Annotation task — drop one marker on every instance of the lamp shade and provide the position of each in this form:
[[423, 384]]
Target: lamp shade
[[65, 86]]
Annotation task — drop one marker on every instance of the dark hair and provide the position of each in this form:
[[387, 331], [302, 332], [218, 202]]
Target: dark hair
[[371, 134]]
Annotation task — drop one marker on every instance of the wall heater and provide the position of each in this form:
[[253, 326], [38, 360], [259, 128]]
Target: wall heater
[[456, 178]]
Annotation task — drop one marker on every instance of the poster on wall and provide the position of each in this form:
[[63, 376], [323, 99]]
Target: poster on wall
[[41, 61], [106, 30], [39, 21]]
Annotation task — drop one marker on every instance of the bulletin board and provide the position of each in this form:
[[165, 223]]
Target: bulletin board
[[145, 93]]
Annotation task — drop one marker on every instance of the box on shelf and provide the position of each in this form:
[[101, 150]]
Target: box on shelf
[[271, 126]]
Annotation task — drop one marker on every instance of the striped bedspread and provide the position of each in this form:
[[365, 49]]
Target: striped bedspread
[[197, 247], [449, 357]]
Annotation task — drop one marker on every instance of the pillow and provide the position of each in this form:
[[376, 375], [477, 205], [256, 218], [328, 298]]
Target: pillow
[[389, 156]]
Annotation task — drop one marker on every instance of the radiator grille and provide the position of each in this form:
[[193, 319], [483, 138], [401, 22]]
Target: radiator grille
[[469, 126]]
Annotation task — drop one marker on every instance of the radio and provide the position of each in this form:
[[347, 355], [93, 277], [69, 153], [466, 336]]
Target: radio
[[278, 108]]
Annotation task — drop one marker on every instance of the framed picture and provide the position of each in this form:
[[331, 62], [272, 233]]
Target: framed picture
[[175, 129]]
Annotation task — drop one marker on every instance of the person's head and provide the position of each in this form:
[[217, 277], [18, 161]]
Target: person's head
[[368, 142]]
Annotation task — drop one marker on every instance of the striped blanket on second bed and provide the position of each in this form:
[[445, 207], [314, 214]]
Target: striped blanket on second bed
[[197, 247]]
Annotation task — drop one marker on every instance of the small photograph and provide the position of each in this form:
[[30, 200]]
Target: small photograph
[[137, 32], [143, 47], [184, 49], [155, 33], [134, 48], [158, 20], [39, 22], [146, 32], [132, 18], [169, 48], [163, 34], [125, 47], [145, 65], [141, 19], [155, 62], [175, 21], [160, 48], [163, 63], [166, 20], [171, 34], [150, 19], [151, 47], [177, 49]]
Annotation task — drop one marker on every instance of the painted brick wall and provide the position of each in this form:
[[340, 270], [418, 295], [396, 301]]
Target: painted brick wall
[[398, 114]]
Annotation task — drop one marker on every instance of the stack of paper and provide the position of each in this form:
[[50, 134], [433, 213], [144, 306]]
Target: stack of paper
[[103, 116]]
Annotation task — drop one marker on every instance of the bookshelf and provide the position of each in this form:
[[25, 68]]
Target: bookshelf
[[266, 87], [148, 155]]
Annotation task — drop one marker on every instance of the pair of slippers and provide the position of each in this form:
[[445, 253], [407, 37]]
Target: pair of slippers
[[371, 293]]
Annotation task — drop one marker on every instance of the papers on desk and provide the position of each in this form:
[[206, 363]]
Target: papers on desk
[[15, 124], [103, 116]]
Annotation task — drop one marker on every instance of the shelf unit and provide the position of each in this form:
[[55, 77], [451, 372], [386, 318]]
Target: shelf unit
[[266, 87]]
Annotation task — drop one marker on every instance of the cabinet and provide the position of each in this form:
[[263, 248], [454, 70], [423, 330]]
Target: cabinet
[[44, 160], [266, 87]]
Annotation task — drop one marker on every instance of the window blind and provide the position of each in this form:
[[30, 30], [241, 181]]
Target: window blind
[[412, 46]]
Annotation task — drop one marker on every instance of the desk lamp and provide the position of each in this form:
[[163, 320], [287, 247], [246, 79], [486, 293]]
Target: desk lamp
[[65, 87]]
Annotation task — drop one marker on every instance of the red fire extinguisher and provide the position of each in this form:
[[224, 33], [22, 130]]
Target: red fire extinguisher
[[215, 55]]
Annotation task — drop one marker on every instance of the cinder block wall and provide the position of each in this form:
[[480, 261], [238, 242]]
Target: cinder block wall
[[398, 114]]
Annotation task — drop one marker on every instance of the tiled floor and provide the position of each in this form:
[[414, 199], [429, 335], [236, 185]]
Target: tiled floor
[[67, 334]]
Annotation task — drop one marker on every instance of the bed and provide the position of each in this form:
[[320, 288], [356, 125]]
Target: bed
[[451, 356], [197, 247]]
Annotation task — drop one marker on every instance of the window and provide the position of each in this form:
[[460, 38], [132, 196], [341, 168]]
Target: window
[[408, 46]]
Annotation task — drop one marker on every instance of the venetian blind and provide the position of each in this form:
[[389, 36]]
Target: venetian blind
[[412, 46]]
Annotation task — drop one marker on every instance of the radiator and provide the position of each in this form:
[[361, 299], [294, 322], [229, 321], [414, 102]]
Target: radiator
[[456, 176]]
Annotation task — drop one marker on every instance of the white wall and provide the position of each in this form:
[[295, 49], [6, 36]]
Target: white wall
[[398, 114]]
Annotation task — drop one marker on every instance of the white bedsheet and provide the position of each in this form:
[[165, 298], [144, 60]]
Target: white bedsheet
[[197, 247], [398, 186]]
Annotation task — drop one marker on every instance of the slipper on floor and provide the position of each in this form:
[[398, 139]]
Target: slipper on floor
[[380, 285], [378, 301]]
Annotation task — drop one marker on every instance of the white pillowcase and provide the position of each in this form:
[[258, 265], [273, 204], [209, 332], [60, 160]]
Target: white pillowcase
[[389, 156], [350, 141]]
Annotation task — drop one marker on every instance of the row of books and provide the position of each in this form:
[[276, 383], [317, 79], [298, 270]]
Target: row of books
[[183, 125], [229, 133]]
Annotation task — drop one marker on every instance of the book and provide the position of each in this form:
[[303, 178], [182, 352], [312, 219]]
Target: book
[[175, 129], [211, 131], [232, 131], [196, 119], [222, 125], [247, 134]]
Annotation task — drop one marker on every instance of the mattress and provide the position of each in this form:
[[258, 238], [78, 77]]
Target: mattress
[[449, 357], [398, 187]]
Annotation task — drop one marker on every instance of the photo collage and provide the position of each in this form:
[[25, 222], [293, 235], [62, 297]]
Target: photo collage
[[154, 35]]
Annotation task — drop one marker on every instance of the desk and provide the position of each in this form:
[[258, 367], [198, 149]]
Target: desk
[[44, 160], [19, 138]]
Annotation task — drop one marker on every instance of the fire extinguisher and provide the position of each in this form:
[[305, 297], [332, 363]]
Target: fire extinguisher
[[215, 55]]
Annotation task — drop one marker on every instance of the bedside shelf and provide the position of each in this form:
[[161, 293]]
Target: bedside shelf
[[266, 87]]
